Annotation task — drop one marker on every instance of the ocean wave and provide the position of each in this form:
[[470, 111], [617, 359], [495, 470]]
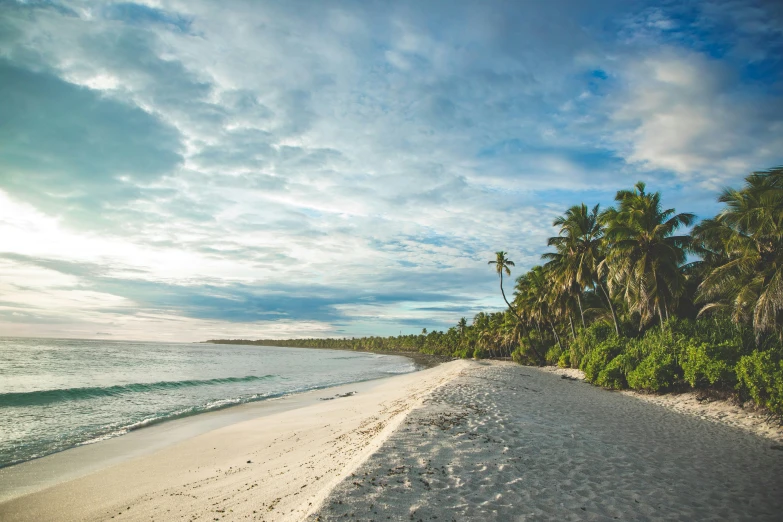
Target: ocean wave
[[122, 429], [401, 369], [43, 397]]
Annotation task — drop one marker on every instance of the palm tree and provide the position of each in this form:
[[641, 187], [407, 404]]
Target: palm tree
[[744, 244], [644, 258], [579, 251], [461, 325], [503, 264]]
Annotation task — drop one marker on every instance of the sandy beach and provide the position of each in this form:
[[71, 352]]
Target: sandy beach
[[505, 442], [465, 440], [704, 405], [277, 466]]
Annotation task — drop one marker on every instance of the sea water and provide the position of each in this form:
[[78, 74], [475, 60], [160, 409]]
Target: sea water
[[60, 393]]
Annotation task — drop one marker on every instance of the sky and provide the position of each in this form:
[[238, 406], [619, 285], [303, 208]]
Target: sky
[[189, 170]]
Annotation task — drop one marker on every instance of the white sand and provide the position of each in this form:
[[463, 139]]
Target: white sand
[[276, 467], [463, 441], [505, 442], [746, 417]]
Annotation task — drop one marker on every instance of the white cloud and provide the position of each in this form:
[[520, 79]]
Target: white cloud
[[331, 149], [689, 114]]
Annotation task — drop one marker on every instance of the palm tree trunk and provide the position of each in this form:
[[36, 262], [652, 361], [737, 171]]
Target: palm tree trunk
[[611, 308], [571, 322], [538, 355], [557, 337], [581, 312], [666, 309]]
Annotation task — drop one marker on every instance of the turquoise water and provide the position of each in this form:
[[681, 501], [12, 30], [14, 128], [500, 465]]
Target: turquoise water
[[60, 393]]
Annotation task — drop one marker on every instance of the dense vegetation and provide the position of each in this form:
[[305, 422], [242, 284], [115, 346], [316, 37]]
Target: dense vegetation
[[628, 296]]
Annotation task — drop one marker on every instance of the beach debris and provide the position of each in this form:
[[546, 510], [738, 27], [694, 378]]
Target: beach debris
[[339, 396]]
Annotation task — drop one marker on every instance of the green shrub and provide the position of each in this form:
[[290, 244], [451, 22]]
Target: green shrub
[[613, 374], [707, 364], [656, 372], [523, 355], [596, 359], [565, 359], [464, 353], [480, 353], [587, 340], [650, 362], [553, 355], [760, 376], [542, 346], [705, 352]]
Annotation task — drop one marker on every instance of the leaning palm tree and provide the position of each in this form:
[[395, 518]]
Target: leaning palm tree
[[644, 257], [744, 244], [503, 264]]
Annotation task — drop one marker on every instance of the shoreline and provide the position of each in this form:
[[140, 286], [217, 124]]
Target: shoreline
[[309, 438], [419, 363], [423, 360], [464, 440]]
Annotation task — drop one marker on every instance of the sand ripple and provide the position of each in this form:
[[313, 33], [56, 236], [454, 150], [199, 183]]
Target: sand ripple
[[504, 442]]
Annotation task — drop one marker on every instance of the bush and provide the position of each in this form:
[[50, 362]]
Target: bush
[[599, 357], [553, 354], [565, 359], [714, 331], [464, 353], [657, 372], [587, 340], [705, 352], [651, 362], [613, 375], [760, 376], [542, 346], [480, 353], [523, 355], [706, 364]]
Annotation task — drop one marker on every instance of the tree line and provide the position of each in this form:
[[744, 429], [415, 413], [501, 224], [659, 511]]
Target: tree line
[[634, 299]]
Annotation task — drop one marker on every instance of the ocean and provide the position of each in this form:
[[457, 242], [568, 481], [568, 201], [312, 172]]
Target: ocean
[[60, 393]]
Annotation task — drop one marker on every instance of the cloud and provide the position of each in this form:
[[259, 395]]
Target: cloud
[[215, 300], [73, 151], [138, 14], [344, 167], [693, 115]]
